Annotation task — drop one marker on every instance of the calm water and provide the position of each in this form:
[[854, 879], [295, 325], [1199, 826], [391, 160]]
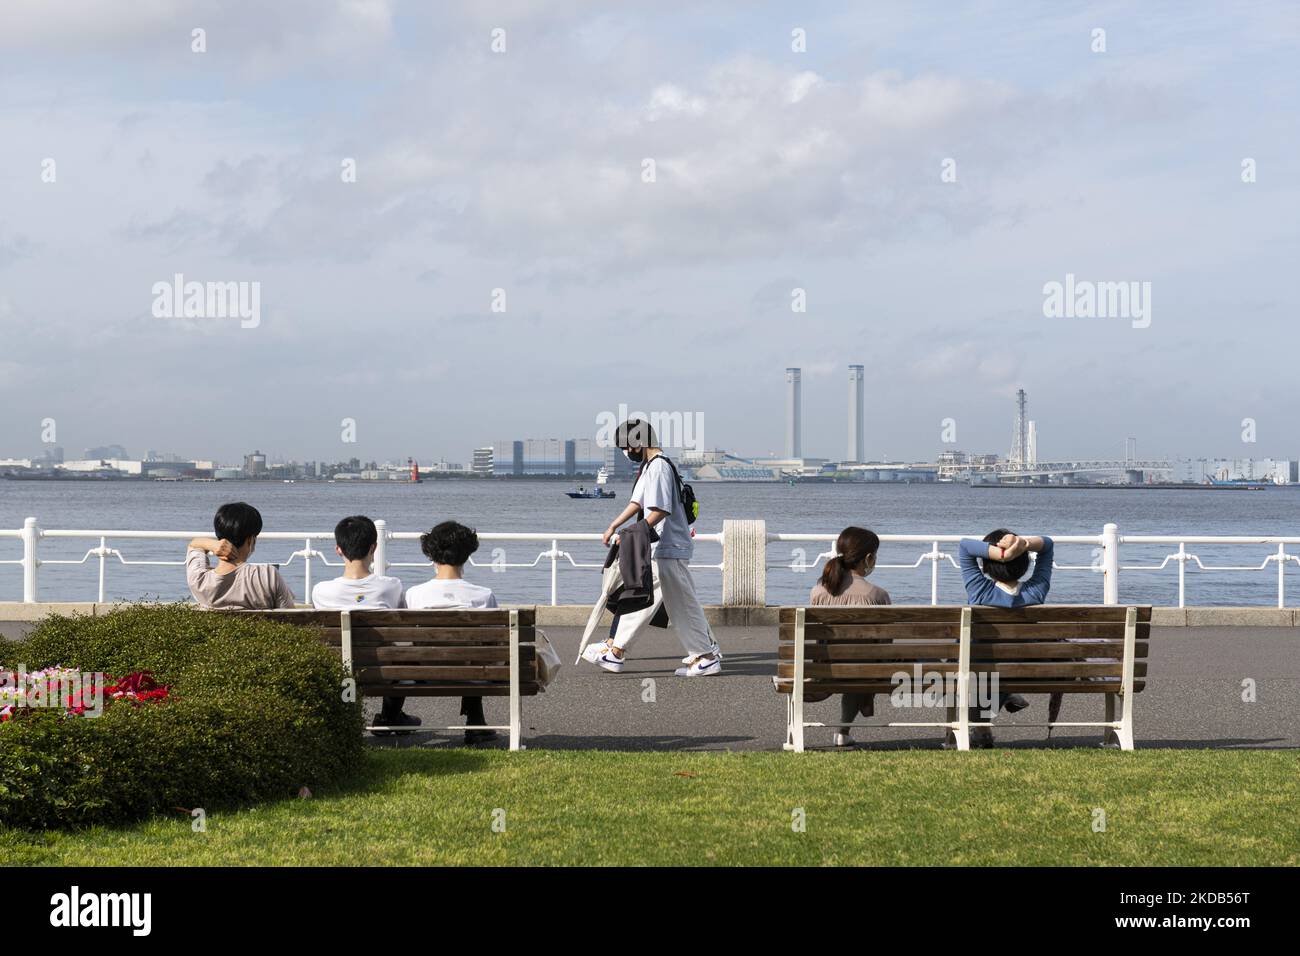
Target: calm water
[[542, 507]]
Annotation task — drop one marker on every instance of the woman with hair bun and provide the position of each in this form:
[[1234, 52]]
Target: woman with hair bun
[[844, 582]]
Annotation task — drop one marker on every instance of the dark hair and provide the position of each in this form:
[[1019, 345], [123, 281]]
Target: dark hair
[[236, 522], [449, 543], [1008, 572], [635, 433], [355, 536], [852, 547]]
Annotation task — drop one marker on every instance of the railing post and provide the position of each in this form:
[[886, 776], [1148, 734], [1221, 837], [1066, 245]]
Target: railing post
[[381, 548], [1182, 572], [744, 563], [555, 569], [306, 568], [934, 574], [31, 534], [1110, 563], [103, 553], [1281, 575]]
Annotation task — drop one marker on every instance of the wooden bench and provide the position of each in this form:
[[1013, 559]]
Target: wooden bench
[[1070, 649], [408, 653]]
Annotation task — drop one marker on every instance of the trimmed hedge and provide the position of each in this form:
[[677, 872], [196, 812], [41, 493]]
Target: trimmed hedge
[[256, 712]]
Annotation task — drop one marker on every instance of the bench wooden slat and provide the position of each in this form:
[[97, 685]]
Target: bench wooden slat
[[1104, 686], [495, 617], [1048, 650], [838, 651], [950, 630], [526, 689], [445, 672], [1005, 671], [1054, 630], [428, 635], [1057, 613], [1000, 631], [875, 614], [437, 655], [900, 613]]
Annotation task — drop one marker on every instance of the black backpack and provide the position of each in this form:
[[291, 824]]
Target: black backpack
[[685, 493]]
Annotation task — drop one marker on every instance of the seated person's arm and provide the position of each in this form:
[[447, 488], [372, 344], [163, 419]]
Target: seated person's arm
[[283, 595], [978, 586], [222, 548], [1035, 589]]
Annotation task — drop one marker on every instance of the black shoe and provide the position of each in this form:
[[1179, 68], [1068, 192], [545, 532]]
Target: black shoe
[[981, 738], [399, 719], [1014, 703], [475, 737]]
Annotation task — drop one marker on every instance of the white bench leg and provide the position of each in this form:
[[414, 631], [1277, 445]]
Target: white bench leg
[[516, 707], [1125, 733], [789, 723], [796, 691], [963, 682], [1126, 694], [1111, 738], [961, 732]]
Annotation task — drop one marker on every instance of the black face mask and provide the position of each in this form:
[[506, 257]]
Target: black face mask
[[635, 454]]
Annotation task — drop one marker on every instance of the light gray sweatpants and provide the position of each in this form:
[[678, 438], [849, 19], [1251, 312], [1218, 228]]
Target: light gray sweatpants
[[675, 590]]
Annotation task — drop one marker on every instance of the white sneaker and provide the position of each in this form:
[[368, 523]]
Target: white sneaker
[[700, 668], [609, 662], [716, 651], [843, 740], [591, 653]]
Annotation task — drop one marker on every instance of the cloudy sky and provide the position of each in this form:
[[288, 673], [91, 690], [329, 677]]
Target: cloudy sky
[[774, 169]]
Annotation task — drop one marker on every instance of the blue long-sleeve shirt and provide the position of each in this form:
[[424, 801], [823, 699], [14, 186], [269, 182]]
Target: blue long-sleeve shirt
[[984, 591]]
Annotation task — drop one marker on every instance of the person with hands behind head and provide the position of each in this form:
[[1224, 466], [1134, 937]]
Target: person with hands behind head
[[993, 570], [235, 583]]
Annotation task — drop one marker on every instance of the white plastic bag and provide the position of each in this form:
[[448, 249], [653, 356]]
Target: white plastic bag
[[548, 660]]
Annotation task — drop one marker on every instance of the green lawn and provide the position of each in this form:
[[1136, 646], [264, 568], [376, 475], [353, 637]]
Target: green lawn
[[908, 807]]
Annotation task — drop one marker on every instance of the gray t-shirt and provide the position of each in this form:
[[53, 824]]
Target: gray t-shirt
[[657, 488], [250, 587]]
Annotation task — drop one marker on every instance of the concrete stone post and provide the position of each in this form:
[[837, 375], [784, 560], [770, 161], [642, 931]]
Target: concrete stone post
[[744, 563]]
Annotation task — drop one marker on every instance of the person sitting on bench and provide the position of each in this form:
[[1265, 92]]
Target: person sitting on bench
[[234, 584], [992, 570], [449, 546], [844, 582], [360, 589]]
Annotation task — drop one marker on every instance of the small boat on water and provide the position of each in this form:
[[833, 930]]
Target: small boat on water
[[600, 491]]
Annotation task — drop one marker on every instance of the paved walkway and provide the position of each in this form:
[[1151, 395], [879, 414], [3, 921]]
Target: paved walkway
[[1192, 699]]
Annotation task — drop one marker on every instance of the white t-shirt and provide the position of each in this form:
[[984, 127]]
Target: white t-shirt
[[657, 488], [450, 593], [368, 593]]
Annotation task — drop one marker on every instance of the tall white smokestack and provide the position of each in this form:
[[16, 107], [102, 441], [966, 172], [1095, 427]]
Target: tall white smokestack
[[793, 413], [857, 405]]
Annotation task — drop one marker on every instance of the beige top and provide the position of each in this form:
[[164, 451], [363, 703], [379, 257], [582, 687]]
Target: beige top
[[859, 591], [250, 587]]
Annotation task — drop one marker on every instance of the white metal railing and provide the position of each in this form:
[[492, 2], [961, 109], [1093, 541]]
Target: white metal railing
[[1106, 549], [31, 534], [936, 557], [1106, 556]]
